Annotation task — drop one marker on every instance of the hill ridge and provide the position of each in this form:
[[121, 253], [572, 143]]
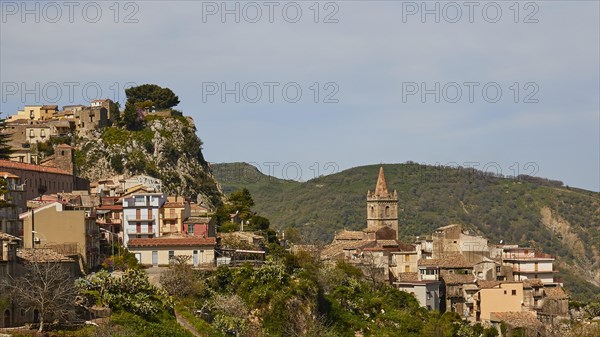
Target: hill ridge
[[433, 196]]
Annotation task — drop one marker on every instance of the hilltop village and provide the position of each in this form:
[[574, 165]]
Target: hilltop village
[[55, 216], [453, 270]]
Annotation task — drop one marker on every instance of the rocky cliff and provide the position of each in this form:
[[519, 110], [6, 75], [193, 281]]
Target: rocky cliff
[[167, 148]]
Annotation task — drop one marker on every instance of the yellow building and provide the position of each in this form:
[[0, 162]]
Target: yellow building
[[172, 214], [35, 112], [505, 297], [405, 261], [160, 251], [67, 232]]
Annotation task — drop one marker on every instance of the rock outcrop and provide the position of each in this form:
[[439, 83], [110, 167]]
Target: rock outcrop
[[166, 148]]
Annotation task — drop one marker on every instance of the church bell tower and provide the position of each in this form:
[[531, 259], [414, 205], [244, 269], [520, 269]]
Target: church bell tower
[[382, 206]]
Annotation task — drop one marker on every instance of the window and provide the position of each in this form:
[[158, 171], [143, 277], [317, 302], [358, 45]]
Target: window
[[406, 258], [191, 229], [497, 269], [428, 295], [171, 255], [387, 211], [138, 227], [514, 292], [504, 292]]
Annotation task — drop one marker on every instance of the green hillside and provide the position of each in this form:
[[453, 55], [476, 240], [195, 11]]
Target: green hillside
[[526, 210]]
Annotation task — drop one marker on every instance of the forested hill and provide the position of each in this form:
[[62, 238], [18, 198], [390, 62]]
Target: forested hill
[[525, 210]]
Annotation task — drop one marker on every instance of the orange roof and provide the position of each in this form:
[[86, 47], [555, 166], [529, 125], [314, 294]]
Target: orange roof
[[8, 175], [110, 207], [168, 242], [31, 167]]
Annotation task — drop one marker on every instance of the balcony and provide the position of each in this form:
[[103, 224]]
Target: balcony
[[169, 229], [141, 218], [108, 221], [142, 232]]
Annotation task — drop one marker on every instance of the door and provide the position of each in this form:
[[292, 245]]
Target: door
[[155, 258], [195, 258]]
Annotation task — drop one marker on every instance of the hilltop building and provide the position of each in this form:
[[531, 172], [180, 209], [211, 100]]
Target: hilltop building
[[453, 269], [382, 206]]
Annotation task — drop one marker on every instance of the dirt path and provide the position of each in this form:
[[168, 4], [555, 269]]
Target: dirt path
[[186, 325]]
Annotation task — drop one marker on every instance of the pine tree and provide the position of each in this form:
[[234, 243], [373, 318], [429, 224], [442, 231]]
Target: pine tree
[[5, 149]]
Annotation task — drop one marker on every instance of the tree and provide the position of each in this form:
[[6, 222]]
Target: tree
[[258, 222], [131, 292], [132, 117], [242, 201], [5, 149], [180, 279], [3, 191], [44, 286], [161, 98]]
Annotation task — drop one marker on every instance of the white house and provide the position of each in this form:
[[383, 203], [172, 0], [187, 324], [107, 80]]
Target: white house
[[141, 215]]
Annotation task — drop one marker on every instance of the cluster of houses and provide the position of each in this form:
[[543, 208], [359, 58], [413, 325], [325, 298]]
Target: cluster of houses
[[55, 216], [63, 218], [79, 227], [453, 269], [36, 124]]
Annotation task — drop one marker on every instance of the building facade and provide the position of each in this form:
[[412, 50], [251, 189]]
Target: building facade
[[66, 231], [157, 252], [141, 214]]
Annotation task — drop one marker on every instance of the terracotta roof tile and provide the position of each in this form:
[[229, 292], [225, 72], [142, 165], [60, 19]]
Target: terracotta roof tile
[[555, 293], [31, 167], [349, 235], [387, 243], [483, 284], [520, 319], [335, 250], [42, 255], [407, 277], [533, 282], [177, 241], [458, 278]]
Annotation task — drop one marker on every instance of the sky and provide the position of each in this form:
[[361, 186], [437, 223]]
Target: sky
[[308, 88]]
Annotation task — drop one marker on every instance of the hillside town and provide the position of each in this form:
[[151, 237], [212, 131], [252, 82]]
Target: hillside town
[[55, 216]]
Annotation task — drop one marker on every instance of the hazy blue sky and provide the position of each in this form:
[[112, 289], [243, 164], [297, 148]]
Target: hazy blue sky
[[373, 59]]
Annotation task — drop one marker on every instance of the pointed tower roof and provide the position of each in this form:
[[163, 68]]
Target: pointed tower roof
[[381, 187]]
